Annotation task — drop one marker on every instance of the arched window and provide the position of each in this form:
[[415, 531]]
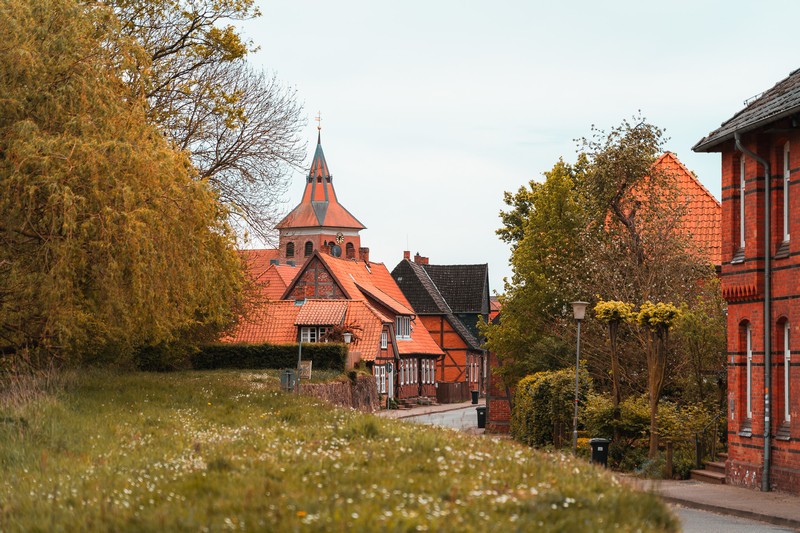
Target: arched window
[[742, 212], [350, 250], [289, 249], [309, 249]]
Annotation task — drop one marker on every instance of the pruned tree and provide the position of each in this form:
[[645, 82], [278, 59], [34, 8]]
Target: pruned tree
[[240, 126], [657, 319]]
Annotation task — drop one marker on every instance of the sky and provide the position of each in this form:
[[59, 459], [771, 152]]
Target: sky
[[432, 109]]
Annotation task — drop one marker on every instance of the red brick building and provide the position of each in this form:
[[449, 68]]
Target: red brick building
[[760, 271], [449, 300]]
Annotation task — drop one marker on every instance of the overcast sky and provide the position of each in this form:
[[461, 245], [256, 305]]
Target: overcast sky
[[431, 109]]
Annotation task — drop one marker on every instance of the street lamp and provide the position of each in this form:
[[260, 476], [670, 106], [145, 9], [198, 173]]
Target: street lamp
[[579, 312]]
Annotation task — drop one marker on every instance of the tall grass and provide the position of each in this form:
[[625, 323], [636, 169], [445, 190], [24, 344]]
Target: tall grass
[[226, 450]]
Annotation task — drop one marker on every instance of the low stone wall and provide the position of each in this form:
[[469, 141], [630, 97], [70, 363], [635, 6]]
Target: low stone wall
[[361, 393]]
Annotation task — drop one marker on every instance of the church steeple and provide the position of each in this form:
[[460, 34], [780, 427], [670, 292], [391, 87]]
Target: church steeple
[[319, 206]]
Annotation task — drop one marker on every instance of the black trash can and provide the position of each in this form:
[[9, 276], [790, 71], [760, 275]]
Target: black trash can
[[474, 397], [600, 451], [481, 416]]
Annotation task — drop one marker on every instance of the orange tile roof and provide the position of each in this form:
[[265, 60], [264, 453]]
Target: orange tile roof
[[270, 280], [321, 313], [362, 281], [270, 322], [702, 220]]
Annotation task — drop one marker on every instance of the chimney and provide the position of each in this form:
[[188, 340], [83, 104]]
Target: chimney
[[406, 255], [418, 259], [363, 253], [325, 248]]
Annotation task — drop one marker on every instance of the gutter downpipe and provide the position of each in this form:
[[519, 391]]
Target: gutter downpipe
[[767, 311]]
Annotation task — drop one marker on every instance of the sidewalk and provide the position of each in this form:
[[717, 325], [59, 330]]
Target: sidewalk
[[776, 508], [427, 409]]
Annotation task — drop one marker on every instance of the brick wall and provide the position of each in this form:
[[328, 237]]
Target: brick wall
[[742, 281], [498, 411]]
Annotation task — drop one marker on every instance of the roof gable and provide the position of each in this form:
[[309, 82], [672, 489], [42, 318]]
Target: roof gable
[[419, 288], [782, 100], [702, 219]]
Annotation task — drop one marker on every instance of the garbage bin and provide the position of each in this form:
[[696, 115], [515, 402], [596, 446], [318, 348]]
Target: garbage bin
[[600, 451], [481, 416], [287, 380], [474, 397]]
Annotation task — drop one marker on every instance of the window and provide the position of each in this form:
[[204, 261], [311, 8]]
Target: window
[[787, 359], [380, 378], [309, 249], [741, 202], [415, 373], [350, 250], [424, 371], [403, 324], [289, 249], [384, 340], [786, 174], [313, 333], [402, 372], [749, 384]]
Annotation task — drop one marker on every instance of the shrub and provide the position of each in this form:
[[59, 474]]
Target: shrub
[[544, 407], [676, 424], [326, 356]]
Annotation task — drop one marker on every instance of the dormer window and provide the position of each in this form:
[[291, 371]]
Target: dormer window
[[384, 340], [313, 333], [403, 327]]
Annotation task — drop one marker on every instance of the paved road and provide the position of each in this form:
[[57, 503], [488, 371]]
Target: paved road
[[464, 418], [696, 521]]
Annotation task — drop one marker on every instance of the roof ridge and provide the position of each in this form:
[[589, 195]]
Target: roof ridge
[[447, 308]]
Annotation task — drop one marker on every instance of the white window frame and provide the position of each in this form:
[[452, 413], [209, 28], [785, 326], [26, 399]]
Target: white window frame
[[380, 378], [787, 360], [415, 375], [402, 371], [787, 171], [403, 327], [308, 334], [384, 340], [749, 355], [741, 202]]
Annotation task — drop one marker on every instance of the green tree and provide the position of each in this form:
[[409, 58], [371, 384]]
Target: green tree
[[107, 238]]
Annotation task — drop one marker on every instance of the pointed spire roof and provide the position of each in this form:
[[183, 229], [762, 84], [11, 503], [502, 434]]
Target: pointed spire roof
[[319, 207]]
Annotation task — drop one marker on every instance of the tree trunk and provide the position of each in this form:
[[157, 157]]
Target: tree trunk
[[616, 397], [656, 369]]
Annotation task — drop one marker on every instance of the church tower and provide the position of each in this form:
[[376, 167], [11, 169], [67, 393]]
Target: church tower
[[320, 222]]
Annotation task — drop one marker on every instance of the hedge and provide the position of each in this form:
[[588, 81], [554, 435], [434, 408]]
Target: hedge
[[544, 407], [326, 356]]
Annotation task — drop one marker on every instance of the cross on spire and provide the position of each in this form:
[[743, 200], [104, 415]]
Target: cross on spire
[[318, 118]]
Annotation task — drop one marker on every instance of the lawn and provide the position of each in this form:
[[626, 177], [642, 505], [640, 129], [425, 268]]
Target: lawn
[[228, 451]]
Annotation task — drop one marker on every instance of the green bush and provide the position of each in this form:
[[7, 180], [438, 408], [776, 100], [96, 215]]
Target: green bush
[[544, 407], [676, 424], [325, 356]]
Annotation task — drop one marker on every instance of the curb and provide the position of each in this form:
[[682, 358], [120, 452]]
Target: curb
[[741, 513]]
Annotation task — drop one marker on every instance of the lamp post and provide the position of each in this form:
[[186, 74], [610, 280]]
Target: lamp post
[[579, 312]]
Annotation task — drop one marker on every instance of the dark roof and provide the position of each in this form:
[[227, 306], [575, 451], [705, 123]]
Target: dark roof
[[778, 102], [464, 287], [419, 289], [426, 298]]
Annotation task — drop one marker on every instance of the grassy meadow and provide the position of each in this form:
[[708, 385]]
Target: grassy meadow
[[216, 451]]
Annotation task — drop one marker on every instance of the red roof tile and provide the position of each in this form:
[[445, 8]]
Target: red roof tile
[[702, 220], [371, 322], [271, 280], [321, 313], [270, 322]]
